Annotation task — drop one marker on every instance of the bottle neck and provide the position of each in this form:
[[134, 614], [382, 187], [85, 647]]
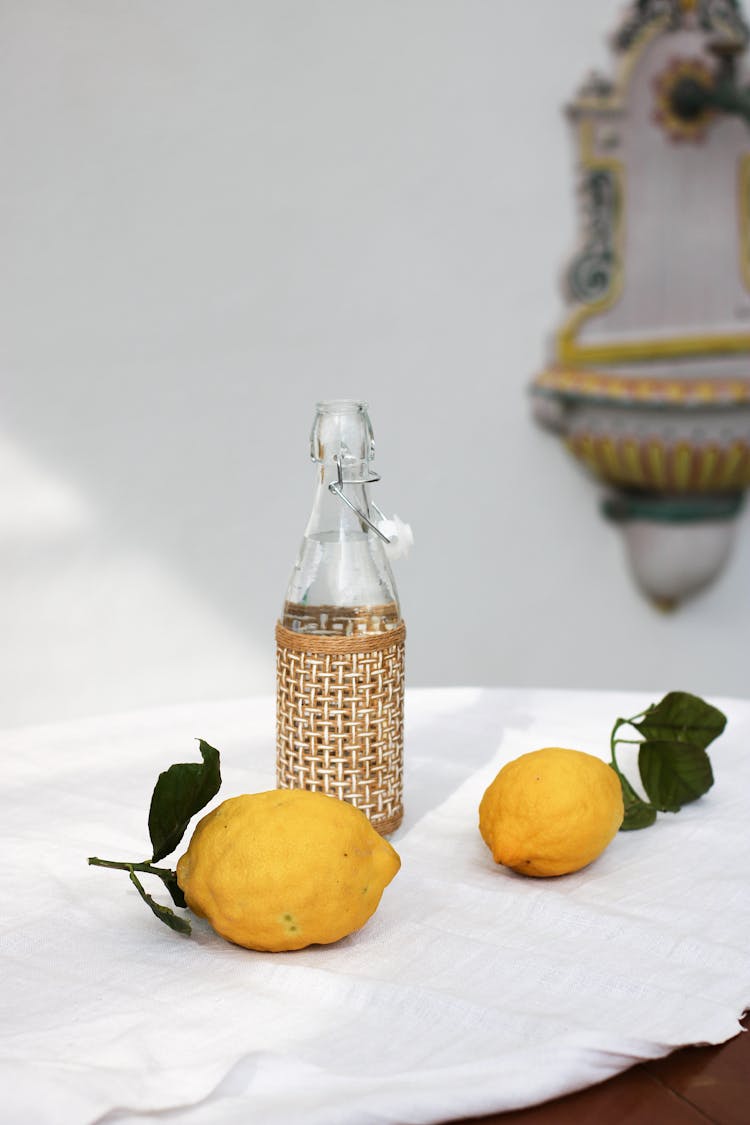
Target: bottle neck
[[331, 516], [341, 583]]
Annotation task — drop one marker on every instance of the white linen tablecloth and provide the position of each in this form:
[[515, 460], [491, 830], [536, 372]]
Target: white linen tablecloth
[[472, 990]]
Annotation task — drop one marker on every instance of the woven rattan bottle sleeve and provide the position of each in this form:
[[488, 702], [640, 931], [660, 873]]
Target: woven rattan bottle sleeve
[[340, 719]]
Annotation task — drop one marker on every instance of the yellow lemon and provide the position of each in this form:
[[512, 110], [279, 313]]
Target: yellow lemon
[[551, 812], [285, 869]]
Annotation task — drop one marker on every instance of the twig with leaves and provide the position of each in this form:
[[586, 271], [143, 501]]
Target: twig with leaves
[[672, 761], [180, 792]]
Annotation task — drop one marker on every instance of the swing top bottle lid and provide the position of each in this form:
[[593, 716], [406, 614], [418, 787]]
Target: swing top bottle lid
[[342, 430]]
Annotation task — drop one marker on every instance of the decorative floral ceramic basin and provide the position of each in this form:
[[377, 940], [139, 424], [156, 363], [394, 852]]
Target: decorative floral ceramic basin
[[648, 382]]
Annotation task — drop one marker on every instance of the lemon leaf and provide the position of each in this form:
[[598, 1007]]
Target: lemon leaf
[[163, 913], [180, 792], [638, 813], [674, 773], [169, 879], [681, 717]]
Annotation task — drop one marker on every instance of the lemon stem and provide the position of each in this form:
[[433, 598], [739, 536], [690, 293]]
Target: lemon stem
[[613, 740], [145, 866]]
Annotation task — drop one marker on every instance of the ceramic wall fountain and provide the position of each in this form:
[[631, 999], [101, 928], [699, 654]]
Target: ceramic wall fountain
[[648, 382]]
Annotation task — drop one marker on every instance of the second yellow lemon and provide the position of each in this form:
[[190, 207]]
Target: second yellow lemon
[[551, 811]]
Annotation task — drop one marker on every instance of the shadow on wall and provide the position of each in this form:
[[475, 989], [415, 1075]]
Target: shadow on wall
[[99, 622]]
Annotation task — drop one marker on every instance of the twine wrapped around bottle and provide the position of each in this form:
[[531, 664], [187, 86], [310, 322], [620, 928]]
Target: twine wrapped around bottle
[[339, 721]]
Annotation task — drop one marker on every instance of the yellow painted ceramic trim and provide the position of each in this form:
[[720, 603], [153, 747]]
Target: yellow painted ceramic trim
[[635, 351], [682, 464], [624, 70], [732, 460], [592, 382], [569, 350], [567, 347], [707, 468], [632, 462], [743, 208], [656, 465]]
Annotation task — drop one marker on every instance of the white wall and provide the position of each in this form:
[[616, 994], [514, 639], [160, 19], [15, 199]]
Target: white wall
[[214, 213]]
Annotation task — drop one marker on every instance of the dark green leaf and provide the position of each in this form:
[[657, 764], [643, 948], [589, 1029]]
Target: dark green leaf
[[681, 717], [163, 913], [674, 773], [180, 792], [638, 814], [175, 891]]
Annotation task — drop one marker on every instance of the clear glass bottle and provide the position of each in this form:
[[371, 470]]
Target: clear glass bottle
[[342, 582], [340, 642]]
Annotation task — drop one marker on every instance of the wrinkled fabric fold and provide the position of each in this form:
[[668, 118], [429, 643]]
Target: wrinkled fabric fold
[[472, 990]]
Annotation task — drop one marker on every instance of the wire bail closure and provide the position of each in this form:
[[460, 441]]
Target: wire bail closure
[[337, 488]]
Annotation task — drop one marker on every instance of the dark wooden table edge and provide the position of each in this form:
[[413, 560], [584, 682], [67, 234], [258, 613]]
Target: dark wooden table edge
[[691, 1086]]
